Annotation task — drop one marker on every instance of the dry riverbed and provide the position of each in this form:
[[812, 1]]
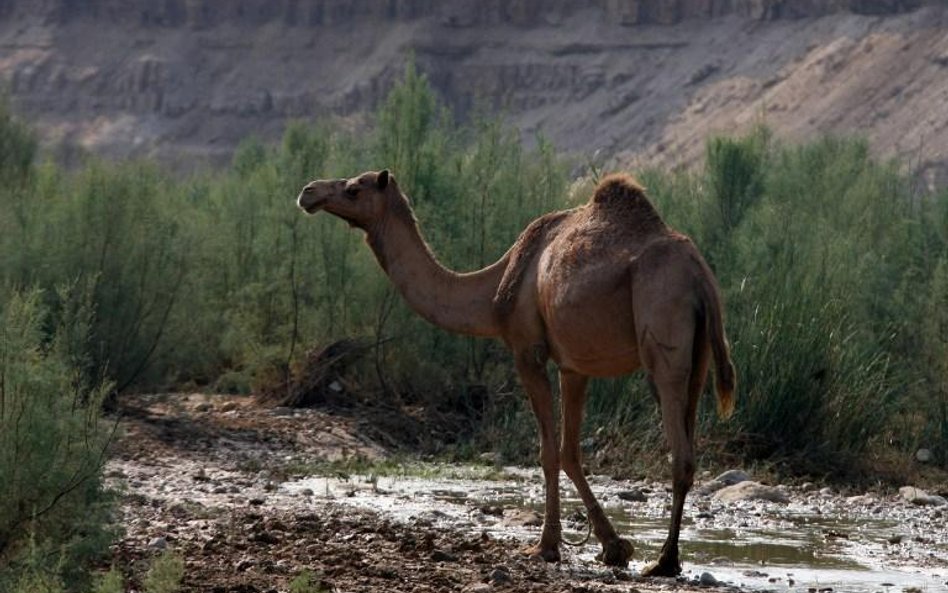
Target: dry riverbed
[[250, 497]]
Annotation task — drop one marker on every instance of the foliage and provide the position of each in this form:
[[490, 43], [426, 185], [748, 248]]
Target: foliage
[[831, 266], [109, 582], [306, 582], [54, 513], [165, 574]]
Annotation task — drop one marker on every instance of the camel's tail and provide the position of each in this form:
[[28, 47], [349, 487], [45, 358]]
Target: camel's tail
[[725, 376]]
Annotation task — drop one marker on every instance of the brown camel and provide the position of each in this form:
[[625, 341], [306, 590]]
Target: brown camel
[[603, 290]]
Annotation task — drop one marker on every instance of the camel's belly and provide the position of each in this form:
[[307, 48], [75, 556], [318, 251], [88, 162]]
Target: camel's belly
[[592, 335]]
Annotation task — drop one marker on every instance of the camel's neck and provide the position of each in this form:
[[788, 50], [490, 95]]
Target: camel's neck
[[460, 303]]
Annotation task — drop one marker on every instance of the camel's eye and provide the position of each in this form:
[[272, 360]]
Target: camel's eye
[[352, 191]]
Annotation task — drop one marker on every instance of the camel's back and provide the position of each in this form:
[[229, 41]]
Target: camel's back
[[588, 241]]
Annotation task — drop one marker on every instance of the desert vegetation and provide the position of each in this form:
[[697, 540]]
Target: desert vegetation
[[116, 277]]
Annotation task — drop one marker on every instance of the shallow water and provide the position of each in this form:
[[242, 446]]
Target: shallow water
[[815, 542]]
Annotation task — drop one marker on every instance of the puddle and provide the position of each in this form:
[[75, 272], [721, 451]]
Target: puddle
[[815, 543]]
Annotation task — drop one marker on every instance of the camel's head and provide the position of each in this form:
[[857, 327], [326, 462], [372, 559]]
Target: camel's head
[[359, 201]]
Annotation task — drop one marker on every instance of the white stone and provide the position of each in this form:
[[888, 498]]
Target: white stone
[[751, 491]]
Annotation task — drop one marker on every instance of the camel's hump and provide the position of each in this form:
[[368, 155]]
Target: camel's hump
[[618, 187]]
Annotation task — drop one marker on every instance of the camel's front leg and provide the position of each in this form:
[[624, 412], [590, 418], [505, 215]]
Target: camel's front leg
[[615, 551], [537, 385]]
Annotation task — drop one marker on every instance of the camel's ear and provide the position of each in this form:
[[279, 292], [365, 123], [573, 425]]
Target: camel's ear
[[382, 179]]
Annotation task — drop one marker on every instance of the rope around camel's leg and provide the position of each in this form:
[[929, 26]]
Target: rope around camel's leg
[[585, 540]]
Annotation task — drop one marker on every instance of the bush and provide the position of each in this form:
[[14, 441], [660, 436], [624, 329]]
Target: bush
[[54, 513], [165, 574], [827, 260]]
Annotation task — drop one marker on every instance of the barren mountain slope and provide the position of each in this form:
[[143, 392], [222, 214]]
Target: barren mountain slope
[[645, 80]]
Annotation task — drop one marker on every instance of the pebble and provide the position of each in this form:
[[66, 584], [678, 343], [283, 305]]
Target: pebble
[[707, 580], [634, 495], [709, 488], [158, 543], [924, 456], [442, 556], [733, 476], [500, 576], [751, 491], [920, 497], [306, 492], [522, 518], [281, 411], [243, 565]]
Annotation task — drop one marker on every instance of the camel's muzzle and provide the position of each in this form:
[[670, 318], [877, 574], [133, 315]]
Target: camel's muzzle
[[310, 202]]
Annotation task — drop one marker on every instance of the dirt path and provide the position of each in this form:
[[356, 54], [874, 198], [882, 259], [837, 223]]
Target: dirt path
[[224, 484], [201, 477]]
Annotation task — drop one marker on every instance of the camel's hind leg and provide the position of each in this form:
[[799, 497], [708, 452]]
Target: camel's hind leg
[[678, 391], [535, 382], [615, 551]]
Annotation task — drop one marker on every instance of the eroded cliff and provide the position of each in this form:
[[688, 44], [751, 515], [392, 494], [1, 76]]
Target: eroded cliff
[[185, 80]]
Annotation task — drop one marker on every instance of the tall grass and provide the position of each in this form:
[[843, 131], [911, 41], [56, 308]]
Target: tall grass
[[833, 272]]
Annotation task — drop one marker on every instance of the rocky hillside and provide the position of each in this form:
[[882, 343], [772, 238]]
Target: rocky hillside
[[646, 80]]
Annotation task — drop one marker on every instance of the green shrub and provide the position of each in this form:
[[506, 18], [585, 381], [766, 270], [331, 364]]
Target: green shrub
[[305, 582], [54, 513], [109, 582], [827, 260], [165, 574]]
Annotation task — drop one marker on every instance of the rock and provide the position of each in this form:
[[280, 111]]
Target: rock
[[924, 456], [281, 411], [492, 509], [306, 492], [709, 488], [522, 518], [228, 406], [827, 491], [243, 565], [500, 576], [707, 580], [256, 501], [490, 457], [202, 407], [442, 556], [633, 495], [751, 491], [477, 588], [158, 543], [896, 539], [920, 497], [733, 476]]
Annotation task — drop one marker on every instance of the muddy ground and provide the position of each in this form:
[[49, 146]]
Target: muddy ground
[[249, 498]]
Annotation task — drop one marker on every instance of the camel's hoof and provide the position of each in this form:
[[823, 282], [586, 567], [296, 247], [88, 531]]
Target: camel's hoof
[[616, 553], [662, 568], [545, 553]]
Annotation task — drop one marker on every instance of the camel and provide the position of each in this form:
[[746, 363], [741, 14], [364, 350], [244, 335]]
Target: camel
[[602, 290]]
